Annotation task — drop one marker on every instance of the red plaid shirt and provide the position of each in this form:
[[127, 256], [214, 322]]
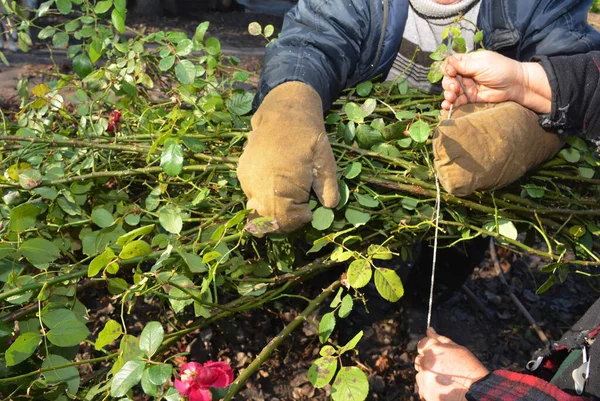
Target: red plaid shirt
[[503, 385]]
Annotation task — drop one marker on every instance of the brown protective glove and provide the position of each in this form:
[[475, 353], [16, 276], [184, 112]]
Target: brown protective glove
[[287, 153], [488, 146]]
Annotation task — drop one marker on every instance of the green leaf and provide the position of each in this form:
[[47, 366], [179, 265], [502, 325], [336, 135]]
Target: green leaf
[[352, 343], [102, 217], [240, 103], [68, 333], [23, 347], [478, 38], [337, 299], [23, 217], [326, 326], [138, 232], [367, 136], [147, 386], [261, 226], [379, 252], [359, 273], [170, 219], [121, 6], [322, 371], [166, 63], [435, 72], [353, 170], [570, 154], [30, 179], [213, 46], [95, 50], [199, 34], [194, 262], [171, 159], [39, 251], [254, 29], [135, 249], [60, 39], [129, 347], [459, 45], [507, 228], [46, 193], [151, 338], [366, 200], [159, 374], [547, 285], [388, 284], [356, 217], [103, 6], [364, 88], [5, 331], [82, 65], [419, 131], [185, 71], [346, 307], [322, 218], [586, 172], [368, 107], [111, 331], [269, 30], [68, 375], [178, 298], [184, 47], [127, 377], [440, 53], [54, 317], [64, 6], [535, 191], [350, 384], [118, 21]]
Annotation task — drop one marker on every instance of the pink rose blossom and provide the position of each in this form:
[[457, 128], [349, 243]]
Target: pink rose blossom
[[196, 379]]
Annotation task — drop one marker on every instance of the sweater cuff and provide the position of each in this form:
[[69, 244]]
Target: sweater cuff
[[557, 118], [511, 386]]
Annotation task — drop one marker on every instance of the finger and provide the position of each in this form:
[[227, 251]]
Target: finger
[[446, 105], [417, 363], [448, 69], [450, 96], [324, 173], [431, 334], [460, 64], [450, 84], [425, 343]]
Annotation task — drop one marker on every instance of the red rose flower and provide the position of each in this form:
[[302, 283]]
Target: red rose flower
[[196, 379], [113, 121]]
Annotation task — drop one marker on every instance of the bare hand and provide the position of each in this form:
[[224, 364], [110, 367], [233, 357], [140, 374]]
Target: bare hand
[[486, 77], [445, 369]]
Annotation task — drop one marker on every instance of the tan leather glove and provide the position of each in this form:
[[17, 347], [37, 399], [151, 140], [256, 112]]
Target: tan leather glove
[[287, 153], [488, 146]]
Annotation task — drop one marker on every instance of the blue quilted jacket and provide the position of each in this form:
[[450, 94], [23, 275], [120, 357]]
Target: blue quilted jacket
[[335, 44]]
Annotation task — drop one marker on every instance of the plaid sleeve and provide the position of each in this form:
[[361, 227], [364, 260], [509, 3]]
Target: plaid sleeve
[[503, 385]]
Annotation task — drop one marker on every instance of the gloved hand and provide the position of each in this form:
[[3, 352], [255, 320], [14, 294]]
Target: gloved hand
[[488, 146], [287, 153]]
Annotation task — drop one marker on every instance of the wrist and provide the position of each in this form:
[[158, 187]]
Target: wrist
[[535, 92]]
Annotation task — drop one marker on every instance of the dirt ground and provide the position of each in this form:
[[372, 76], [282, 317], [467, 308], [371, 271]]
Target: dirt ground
[[487, 321]]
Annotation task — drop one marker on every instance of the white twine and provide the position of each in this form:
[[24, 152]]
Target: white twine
[[438, 201]]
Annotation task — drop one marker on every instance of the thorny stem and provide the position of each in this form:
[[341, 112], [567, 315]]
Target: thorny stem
[[66, 365], [278, 339]]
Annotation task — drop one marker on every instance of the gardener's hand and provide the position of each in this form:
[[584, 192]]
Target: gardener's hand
[[489, 77], [287, 153], [445, 370]]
